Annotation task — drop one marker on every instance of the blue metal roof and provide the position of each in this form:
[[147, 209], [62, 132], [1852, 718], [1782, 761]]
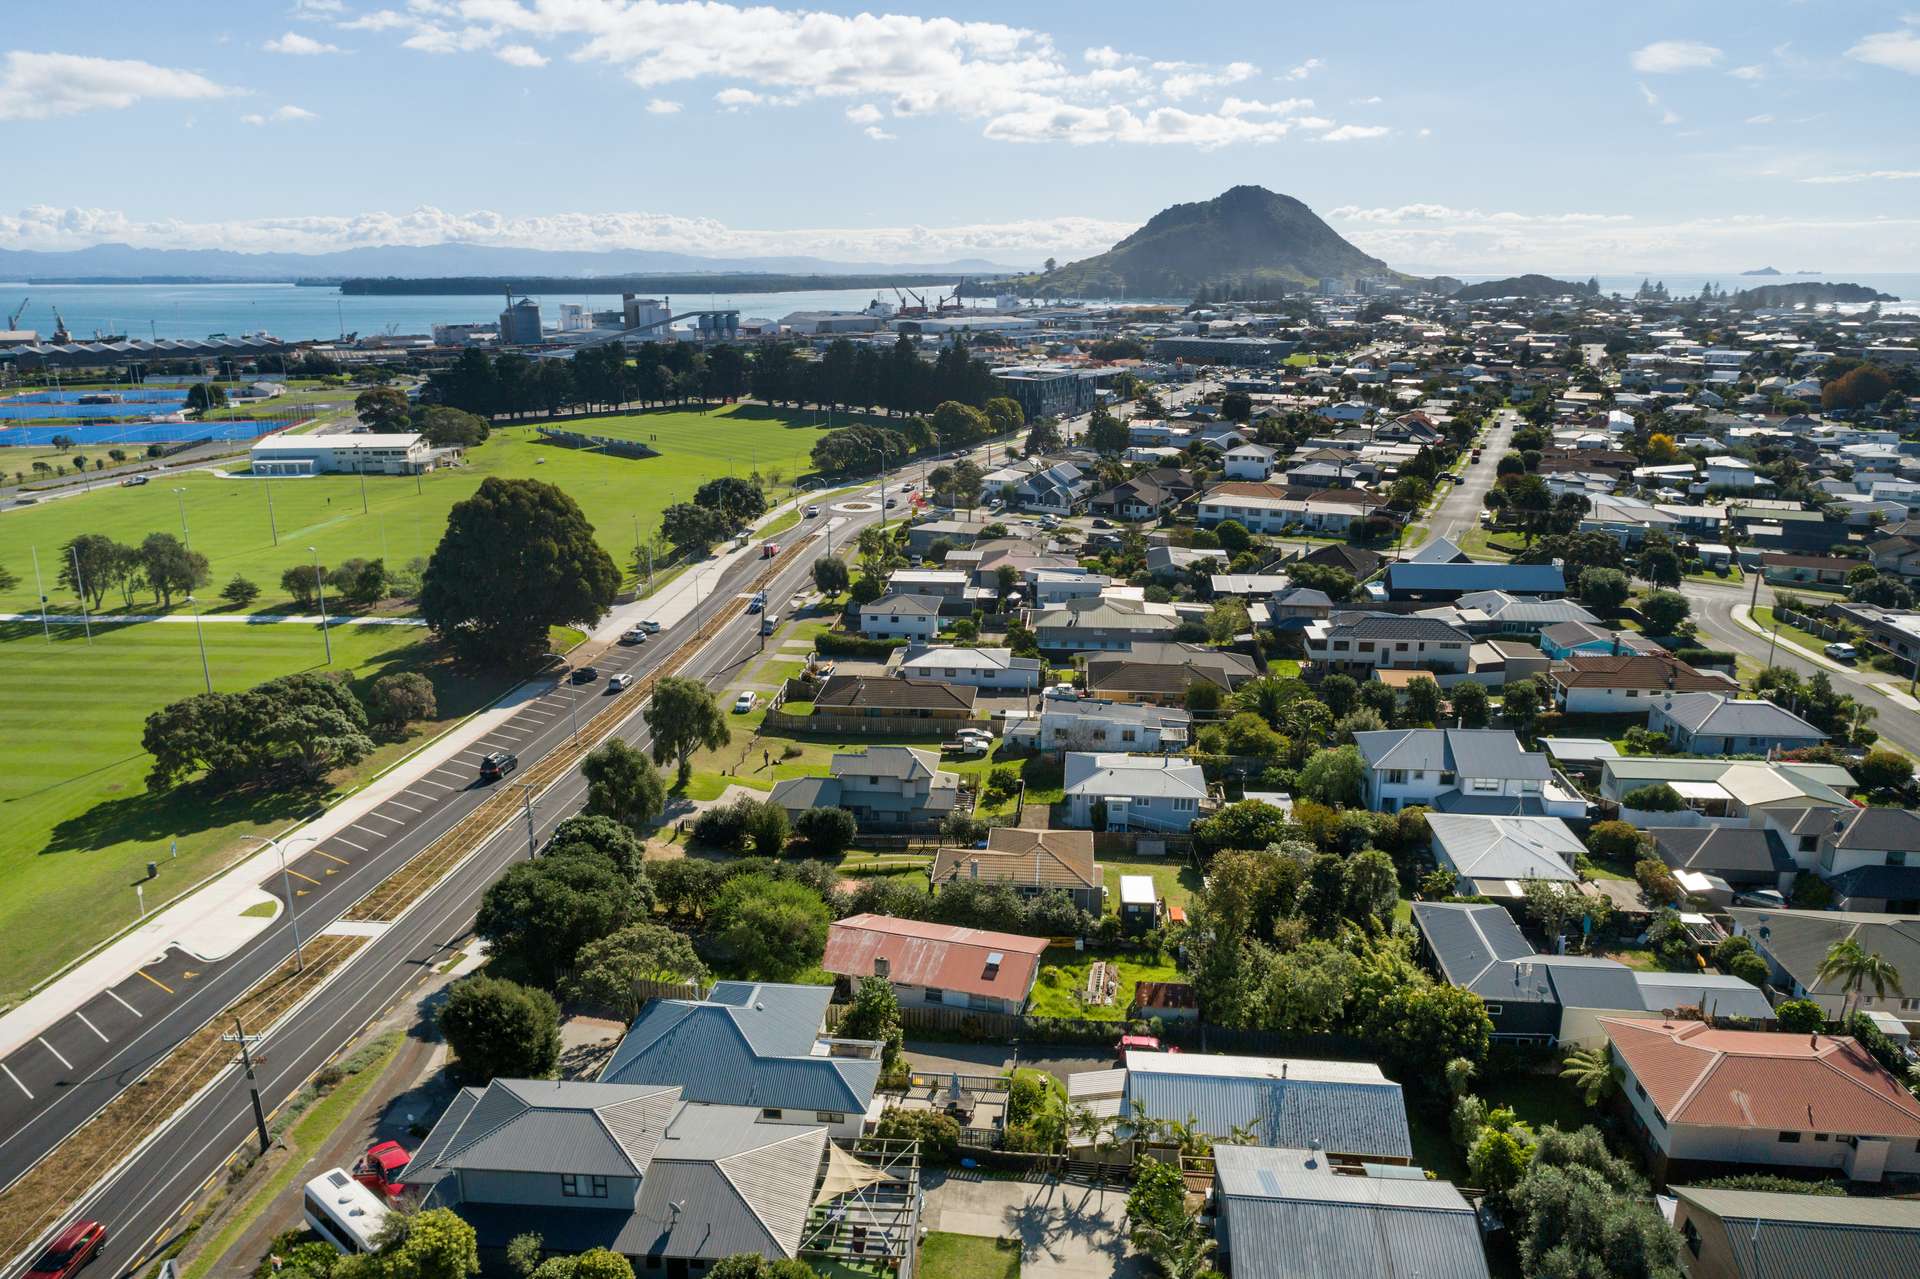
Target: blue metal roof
[[1521, 579], [1348, 1117]]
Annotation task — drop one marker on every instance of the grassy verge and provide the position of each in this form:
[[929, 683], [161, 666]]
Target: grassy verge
[[949, 1256], [1765, 618]]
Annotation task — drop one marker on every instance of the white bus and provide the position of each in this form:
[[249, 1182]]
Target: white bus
[[343, 1212]]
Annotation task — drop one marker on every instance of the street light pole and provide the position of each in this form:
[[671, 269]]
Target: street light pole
[[363, 491], [272, 525], [179, 496], [201, 635], [320, 590], [241, 1037], [80, 589]]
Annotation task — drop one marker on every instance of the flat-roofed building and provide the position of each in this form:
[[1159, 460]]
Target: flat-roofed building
[[370, 453]]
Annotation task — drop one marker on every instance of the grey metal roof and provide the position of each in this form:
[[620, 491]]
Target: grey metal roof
[[1718, 994], [1466, 752], [1719, 715], [1440, 550], [1346, 1116], [1721, 848], [1788, 1236], [530, 1125], [1896, 883], [1590, 983], [797, 793], [1393, 626], [1503, 847], [747, 1044], [1467, 940], [1798, 940], [1503, 606], [1883, 829], [1530, 579]]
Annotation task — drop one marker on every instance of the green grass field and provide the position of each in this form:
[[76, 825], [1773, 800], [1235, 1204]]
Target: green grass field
[[950, 1256], [1063, 975], [1175, 881]]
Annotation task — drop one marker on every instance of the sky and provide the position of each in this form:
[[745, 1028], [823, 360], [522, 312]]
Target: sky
[[1688, 135]]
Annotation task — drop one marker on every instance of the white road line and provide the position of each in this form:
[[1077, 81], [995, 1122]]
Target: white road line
[[454, 771], [42, 1041], [402, 804], [340, 839], [129, 1007], [370, 834], [424, 782], [383, 817], [90, 1026], [16, 1080]]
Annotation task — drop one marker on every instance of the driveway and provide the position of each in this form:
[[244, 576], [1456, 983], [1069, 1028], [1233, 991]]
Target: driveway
[[1066, 1230], [1058, 1060]]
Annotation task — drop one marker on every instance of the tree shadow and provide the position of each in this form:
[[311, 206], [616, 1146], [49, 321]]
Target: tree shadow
[[154, 817]]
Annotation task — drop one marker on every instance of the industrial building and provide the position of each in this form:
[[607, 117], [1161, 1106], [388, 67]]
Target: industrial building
[[1233, 350], [520, 323], [368, 454]]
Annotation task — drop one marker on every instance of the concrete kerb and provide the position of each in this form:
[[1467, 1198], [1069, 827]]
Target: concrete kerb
[[1743, 614]]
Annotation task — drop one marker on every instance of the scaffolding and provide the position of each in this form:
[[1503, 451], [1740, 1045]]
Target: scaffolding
[[866, 1212]]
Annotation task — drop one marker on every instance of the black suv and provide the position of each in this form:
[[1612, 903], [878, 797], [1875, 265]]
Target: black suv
[[585, 674], [498, 764]]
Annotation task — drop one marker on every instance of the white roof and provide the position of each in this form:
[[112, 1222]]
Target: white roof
[[1135, 776], [1699, 790], [1217, 1066], [1137, 890], [1514, 848], [307, 443]]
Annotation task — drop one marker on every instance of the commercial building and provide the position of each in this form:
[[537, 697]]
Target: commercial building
[[367, 454], [1051, 390]]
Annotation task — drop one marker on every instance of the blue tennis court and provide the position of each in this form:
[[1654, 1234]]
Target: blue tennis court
[[140, 432]]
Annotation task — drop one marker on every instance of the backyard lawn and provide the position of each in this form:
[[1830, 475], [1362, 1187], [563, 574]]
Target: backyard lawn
[[1063, 975], [949, 1256], [1173, 879]]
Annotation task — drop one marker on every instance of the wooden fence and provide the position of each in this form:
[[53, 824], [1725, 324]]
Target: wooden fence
[[827, 724]]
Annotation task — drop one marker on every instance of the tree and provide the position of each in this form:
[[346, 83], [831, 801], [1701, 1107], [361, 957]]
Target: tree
[[1106, 434], [766, 828], [830, 575], [1853, 967], [1226, 620], [1233, 536], [500, 1029], [875, 1014], [88, 564], [828, 831], [1663, 611], [1859, 387], [240, 592], [1178, 1241], [1334, 776], [303, 583], [539, 914], [523, 1254], [604, 1263], [1591, 1071], [1470, 703], [1415, 1024], [623, 784], [683, 717], [739, 501], [1800, 1017], [360, 582], [396, 700], [1884, 770], [1004, 414], [518, 557], [1605, 589], [384, 408], [775, 929], [1372, 886], [958, 425], [1251, 823], [1423, 700], [1522, 705], [1657, 797], [300, 725], [444, 427], [201, 396], [170, 568], [1043, 437], [608, 971], [1496, 1161], [1616, 841]]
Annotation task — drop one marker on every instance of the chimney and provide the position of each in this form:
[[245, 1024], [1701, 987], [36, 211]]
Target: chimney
[[973, 868]]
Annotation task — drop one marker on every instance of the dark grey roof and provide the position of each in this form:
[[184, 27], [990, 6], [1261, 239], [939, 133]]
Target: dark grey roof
[[1882, 829], [1440, 550], [1591, 983], [1888, 883], [1788, 1236], [1394, 626], [797, 793], [1476, 947], [1716, 714], [1466, 752], [1712, 849], [1349, 1108], [1798, 940], [527, 1125]]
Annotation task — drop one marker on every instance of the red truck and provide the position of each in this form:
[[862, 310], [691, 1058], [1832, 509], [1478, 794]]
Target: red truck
[[382, 1168]]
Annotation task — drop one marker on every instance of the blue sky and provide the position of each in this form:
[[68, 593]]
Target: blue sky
[[1679, 136]]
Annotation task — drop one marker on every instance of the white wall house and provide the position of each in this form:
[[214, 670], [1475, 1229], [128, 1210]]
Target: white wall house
[[991, 668], [368, 454], [1138, 792], [911, 617], [1479, 770], [1250, 462]]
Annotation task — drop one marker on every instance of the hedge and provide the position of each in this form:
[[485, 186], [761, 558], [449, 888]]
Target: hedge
[[1704, 656], [841, 644]]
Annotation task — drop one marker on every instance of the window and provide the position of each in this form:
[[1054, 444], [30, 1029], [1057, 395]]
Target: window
[[770, 1112], [1692, 1237], [1819, 1136], [1396, 777], [826, 1117], [1789, 1138], [582, 1186], [1639, 1090], [1897, 857], [1494, 1010], [935, 996], [1487, 785], [1446, 779], [1633, 692], [1807, 843]]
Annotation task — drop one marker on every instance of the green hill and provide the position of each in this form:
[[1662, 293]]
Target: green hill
[[1526, 286], [1247, 235]]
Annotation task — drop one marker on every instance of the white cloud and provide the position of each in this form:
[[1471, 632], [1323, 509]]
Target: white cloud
[[284, 115], [662, 106], [520, 55], [1187, 83], [1895, 50], [1751, 72], [300, 46], [1665, 56], [40, 86], [1355, 133], [1285, 106], [317, 10], [865, 113], [736, 98], [1373, 101], [1871, 175], [1305, 69], [377, 20], [1762, 118], [879, 134], [430, 37], [1105, 56], [1667, 114]]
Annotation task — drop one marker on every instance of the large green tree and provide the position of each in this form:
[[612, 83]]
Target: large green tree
[[500, 1029], [775, 929], [683, 717], [875, 1014], [541, 913], [384, 408], [608, 971], [518, 557], [623, 784]]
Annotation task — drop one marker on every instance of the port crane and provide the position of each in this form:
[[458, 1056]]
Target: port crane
[[13, 320], [60, 334]]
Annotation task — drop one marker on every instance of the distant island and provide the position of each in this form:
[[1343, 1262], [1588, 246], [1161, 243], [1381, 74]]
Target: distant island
[[702, 283], [1807, 295], [1765, 270], [1528, 286]]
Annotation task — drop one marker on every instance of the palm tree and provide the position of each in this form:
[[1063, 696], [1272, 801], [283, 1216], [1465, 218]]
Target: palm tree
[[1180, 1248], [1591, 1071], [1855, 968]]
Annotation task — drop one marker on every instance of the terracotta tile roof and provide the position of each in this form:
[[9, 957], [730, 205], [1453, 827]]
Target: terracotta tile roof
[[1757, 1079], [1637, 670], [941, 956]]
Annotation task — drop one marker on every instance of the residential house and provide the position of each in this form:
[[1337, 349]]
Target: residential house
[[1721, 724], [1356, 560], [1726, 471], [936, 964], [1165, 563], [909, 617], [1496, 856], [1031, 862], [1781, 795], [1441, 550], [633, 1168], [1292, 607], [994, 670], [1250, 462], [1462, 770], [1781, 568], [1087, 724], [756, 1044], [1897, 555], [1407, 580], [1742, 857], [1703, 1098], [878, 697], [1122, 792], [1604, 684], [946, 585], [1504, 613], [1146, 496], [1268, 1203], [954, 530], [1278, 508], [886, 788], [1051, 588], [1360, 643], [1564, 639], [1871, 860], [1760, 1234], [1103, 624], [1057, 489], [1795, 943], [1162, 673]]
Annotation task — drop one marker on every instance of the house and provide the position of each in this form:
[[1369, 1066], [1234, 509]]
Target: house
[[1348, 1109], [1726, 471], [936, 964], [1871, 860], [1359, 643], [1495, 663], [1781, 568], [954, 530], [1760, 1234], [1408, 580], [949, 585], [886, 788], [1896, 555], [1277, 508], [1084, 724], [1504, 613], [1285, 1214], [1121, 792], [1030, 862], [1734, 792], [755, 1044], [1564, 639], [1162, 673], [1109, 624], [1742, 856], [1292, 607], [1462, 770], [1700, 1097], [1141, 497], [1604, 684], [992, 669], [1496, 856], [909, 617], [1250, 462], [879, 697], [1058, 489], [1720, 724], [1355, 560], [633, 1168], [1795, 942], [1052, 588], [1167, 562]]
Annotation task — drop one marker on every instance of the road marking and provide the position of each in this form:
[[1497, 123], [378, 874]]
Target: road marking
[[453, 771], [402, 804], [428, 782], [384, 818], [155, 980], [330, 857], [90, 1026], [349, 843], [129, 1007], [42, 1041], [368, 832], [16, 1080], [310, 879]]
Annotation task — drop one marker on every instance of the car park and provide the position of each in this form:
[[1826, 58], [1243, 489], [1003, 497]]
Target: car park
[[497, 764], [745, 702], [620, 683], [72, 1249]]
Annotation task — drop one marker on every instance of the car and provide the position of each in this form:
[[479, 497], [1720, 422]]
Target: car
[[1842, 652], [812, 511], [73, 1248], [892, 502], [1065, 692], [768, 621], [1100, 523], [634, 635], [497, 764], [650, 626], [620, 683], [134, 481], [1765, 898], [585, 674], [745, 702], [380, 1169], [769, 549], [757, 602]]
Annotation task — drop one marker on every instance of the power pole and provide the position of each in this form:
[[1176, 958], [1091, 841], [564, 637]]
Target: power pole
[[526, 796], [241, 1037]]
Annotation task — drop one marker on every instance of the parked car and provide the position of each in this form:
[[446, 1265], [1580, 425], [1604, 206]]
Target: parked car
[[1842, 652], [636, 635], [768, 621], [650, 626], [73, 1248], [585, 674], [620, 683], [497, 764], [1065, 692], [745, 702], [1100, 523], [1765, 898], [133, 481], [380, 1169]]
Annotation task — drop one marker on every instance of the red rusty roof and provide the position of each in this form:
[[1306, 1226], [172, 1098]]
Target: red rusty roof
[[940, 956]]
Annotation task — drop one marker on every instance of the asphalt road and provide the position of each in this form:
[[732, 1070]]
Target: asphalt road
[[82, 1062], [1459, 509]]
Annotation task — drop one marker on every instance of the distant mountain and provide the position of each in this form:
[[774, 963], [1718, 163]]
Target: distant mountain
[[1810, 294], [1249, 235], [1527, 286], [125, 262], [1765, 270]]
